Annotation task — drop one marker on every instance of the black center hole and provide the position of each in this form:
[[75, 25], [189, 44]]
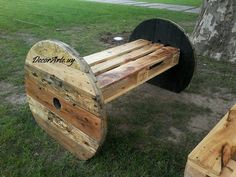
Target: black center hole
[[56, 103]]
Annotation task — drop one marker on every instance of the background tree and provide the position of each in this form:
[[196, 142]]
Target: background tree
[[215, 32]]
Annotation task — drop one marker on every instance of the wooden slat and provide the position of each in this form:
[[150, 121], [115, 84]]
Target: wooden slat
[[194, 170], [191, 171], [115, 75], [114, 52], [229, 170], [72, 76], [115, 62], [78, 117], [66, 134], [122, 86], [56, 85], [125, 85]]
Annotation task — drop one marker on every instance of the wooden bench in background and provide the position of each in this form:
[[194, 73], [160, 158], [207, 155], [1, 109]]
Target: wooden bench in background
[[215, 155]]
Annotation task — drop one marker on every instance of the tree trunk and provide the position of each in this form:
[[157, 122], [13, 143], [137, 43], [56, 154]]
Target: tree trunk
[[215, 32]]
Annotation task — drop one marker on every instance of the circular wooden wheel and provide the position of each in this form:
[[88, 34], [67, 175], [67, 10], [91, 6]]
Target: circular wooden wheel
[[64, 97]]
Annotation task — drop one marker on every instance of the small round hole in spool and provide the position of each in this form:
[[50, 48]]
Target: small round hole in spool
[[56, 103]]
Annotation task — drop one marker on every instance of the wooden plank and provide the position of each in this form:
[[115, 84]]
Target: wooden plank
[[117, 61], [66, 134], [126, 70], [76, 95], [72, 76], [217, 148], [78, 117], [229, 170], [193, 170], [114, 52], [190, 171], [124, 85]]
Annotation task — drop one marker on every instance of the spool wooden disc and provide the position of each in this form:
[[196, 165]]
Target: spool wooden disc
[[64, 97]]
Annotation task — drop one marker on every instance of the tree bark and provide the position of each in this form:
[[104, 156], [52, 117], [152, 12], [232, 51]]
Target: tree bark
[[215, 32]]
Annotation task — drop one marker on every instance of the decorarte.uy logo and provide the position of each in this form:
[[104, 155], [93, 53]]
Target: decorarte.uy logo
[[55, 59]]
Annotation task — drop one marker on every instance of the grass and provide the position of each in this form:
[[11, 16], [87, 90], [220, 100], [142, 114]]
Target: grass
[[196, 3], [137, 142]]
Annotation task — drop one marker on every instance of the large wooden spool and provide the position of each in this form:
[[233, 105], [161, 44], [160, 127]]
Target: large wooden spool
[[68, 99]]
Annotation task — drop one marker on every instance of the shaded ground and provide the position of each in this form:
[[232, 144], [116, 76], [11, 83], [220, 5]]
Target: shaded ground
[[151, 131]]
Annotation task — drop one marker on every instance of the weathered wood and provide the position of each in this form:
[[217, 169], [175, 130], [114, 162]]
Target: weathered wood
[[68, 101], [69, 75], [120, 80], [126, 70], [193, 170], [76, 95], [78, 117], [215, 153], [133, 55], [114, 52], [66, 134], [65, 100]]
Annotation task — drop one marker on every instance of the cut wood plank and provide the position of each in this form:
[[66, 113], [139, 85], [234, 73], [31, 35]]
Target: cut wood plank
[[66, 134], [114, 52], [229, 170], [126, 84], [117, 61], [72, 76], [123, 71], [190, 171], [78, 117], [76, 95], [116, 90], [193, 170]]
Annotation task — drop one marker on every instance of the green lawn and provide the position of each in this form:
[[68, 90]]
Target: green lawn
[[140, 137], [195, 3]]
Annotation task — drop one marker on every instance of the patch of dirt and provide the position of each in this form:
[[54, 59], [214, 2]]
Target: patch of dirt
[[16, 98], [11, 91], [6, 87], [107, 38], [218, 103], [200, 123], [177, 135], [29, 39]]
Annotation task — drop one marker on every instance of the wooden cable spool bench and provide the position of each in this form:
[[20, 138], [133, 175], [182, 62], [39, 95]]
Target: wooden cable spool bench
[[69, 102]]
